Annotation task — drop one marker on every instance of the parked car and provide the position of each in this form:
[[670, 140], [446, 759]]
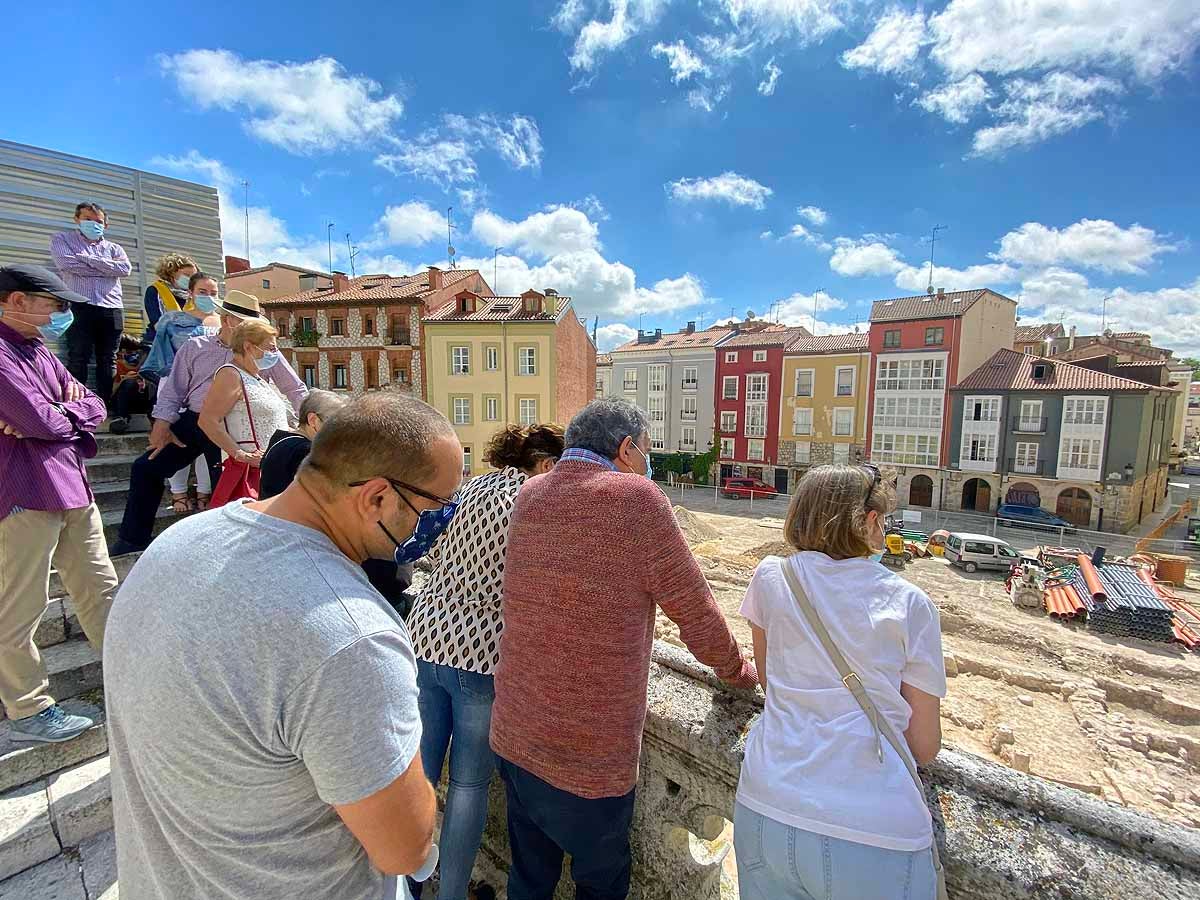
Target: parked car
[[741, 488], [1019, 515], [1190, 466], [979, 551]]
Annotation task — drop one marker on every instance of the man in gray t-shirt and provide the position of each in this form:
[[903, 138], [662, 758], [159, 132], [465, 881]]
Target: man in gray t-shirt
[[262, 696]]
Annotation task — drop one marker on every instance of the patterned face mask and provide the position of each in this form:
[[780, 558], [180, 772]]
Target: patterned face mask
[[430, 523]]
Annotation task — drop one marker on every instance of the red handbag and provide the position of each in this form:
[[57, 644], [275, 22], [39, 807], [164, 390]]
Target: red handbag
[[239, 480]]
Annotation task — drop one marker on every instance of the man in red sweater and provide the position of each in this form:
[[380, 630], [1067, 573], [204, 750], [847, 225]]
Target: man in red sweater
[[592, 548]]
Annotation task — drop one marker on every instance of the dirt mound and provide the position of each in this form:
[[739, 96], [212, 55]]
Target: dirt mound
[[771, 548], [695, 529]]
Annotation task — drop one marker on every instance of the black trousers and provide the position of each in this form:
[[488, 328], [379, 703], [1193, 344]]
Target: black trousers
[[96, 332], [130, 399], [544, 822], [147, 476]]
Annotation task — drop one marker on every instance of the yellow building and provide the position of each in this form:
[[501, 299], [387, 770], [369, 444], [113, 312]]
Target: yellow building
[[491, 361], [823, 418]]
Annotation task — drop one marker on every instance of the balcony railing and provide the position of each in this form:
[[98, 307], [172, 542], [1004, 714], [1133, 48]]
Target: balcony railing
[[690, 384], [686, 416], [756, 431], [726, 428], [401, 337], [1029, 425], [630, 386], [1025, 467]]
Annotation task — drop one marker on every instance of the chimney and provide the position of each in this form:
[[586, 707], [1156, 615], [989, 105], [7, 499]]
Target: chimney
[[340, 282], [550, 292], [435, 278], [1071, 339], [941, 293], [691, 328], [235, 264], [658, 334]]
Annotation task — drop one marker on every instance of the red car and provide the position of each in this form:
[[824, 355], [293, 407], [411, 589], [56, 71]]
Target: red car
[[743, 488]]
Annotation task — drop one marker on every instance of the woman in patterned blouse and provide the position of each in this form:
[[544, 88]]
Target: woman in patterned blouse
[[455, 627]]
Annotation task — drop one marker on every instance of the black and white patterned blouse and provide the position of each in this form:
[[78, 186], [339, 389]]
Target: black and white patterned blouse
[[457, 619]]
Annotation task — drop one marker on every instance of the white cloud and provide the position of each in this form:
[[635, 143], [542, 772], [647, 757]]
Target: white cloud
[[732, 188], [804, 21], [568, 16], [1035, 111], [597, 38], [516, 138], [443, 161], [809, 237], [766, 87], [798, 310], [1093, 243], [413, 223], [446, 155], [304, 107], [705, 97], [367, 263], [892, 46], [767, 235], [683, 62], [956, 101], [610, 336], [814, 215], [916, 278], [855, 258], [1149, 38], [543, 234]]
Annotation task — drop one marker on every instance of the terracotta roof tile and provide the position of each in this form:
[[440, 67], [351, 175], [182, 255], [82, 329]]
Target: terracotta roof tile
[[679, 340], [1028, 334], [498, 309], [1008, 370], [371, 289], [277, 265], [829, 343], [926, 306], [604, 359], [771, 336]]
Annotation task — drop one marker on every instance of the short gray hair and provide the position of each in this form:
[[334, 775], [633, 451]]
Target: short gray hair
[[321, 404], [602, 425]]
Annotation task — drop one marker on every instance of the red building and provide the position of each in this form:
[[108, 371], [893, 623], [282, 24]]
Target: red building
[[749, 380]]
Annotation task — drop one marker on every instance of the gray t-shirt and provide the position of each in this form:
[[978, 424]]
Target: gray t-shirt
[[253, 678]]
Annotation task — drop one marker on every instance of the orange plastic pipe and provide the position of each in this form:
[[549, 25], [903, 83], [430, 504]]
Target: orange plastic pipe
[[1090, 578]]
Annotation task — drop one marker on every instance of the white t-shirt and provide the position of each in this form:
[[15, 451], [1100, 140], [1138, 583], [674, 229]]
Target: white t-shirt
[[811, 759]]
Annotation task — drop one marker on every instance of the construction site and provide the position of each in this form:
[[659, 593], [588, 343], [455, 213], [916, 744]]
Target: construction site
[[1092, 685]]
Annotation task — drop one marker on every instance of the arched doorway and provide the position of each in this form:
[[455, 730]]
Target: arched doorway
[[920, 491], [977, 495], [1024, 494], [1075, 505]]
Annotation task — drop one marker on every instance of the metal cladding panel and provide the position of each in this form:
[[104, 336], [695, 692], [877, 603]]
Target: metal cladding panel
[[148, 214]]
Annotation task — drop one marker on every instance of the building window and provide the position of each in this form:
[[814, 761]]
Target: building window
[[1028, 350], [802, 420], [908, 412], [804, 382], [688, 409], [400, 376], [727, 448], [527, 410], [981, 409], [656, 379], [368, 325], [281, 325], [371, 373], [688, 438], [756, 450], [1031, 416], [803, 453], [631, 381], [400, 332], [1079, 453], [1084, 410], [1027, 458], [731, 356], [491, 361], [266, 283], [658, 437], [462, 410], [491, 409], [306, 323], [891, 338], [691, 378], [911, 375], [337, 327], [729, 387], [979, 448], [656, 407], [728, 422], [756, 420], [934, 336], [841, 454], [527, 361], [845, 381], [756, 387], [460, 360], [905, 449], [843, 421], [466, 461], [760, 355], [599, 387], [310, 376], [339, 378]]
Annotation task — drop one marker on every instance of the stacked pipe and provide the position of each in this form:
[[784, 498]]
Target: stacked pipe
[[1121, 603]]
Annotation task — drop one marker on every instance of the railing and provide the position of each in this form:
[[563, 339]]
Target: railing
[[756, 431], [1028, 425], [630, 386], [306, 338], [1025, 467], [689, 384], [401, 337], [687, 417]]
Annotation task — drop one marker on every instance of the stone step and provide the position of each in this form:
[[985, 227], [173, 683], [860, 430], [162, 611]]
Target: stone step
[[164, 518], [73, 668], [110, 495], [22, 763], [26, 833], [81, 801], [121, 563], [110, 468], [120, 444]]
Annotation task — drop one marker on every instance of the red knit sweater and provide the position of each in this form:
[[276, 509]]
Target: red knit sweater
[[590, 553]]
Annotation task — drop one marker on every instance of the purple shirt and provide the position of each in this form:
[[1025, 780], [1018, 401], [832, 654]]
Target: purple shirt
[[192, 373], [94, 269], [44, 469]]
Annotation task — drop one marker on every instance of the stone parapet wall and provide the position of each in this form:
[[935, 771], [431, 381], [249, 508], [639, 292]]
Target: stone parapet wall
[[1004, 835]]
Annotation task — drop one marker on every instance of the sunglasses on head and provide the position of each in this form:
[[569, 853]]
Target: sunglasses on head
[[876, 480]]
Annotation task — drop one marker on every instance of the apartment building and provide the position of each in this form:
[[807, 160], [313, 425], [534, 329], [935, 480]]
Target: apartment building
[[604, 364], [362, 334], [276, 280], [920, 346], [824, 387], [1090, 446], [499, 360], [749, 388], [673, 377], [1036, 339]]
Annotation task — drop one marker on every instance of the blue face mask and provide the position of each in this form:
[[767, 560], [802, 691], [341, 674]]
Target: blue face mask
[[56, 327], [182, 281], [876, 557], [204, 302], [430, 525], [649, 468], [270, 359], [93, 231]]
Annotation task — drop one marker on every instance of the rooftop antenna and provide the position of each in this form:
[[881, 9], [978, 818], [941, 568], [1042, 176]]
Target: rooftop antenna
[[496, 270], [449, 237], [595, 329], [817, 291], [932, 242], [246, 209], [329, 243], [352, 252], [1104, 313]]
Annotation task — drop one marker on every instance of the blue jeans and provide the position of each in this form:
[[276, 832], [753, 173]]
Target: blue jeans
[[778, 862], [455, 703], [545, 821]]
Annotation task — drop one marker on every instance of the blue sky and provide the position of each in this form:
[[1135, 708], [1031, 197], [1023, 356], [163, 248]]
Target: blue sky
[[664, 161]]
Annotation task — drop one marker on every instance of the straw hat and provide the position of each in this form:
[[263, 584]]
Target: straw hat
[[240, 305]]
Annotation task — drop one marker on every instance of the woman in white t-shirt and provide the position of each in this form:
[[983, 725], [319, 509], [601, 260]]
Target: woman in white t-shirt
[[819, 813]]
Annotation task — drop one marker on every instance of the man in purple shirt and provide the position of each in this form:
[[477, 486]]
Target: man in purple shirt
[[47, 513], [93, 268], [176, 439]]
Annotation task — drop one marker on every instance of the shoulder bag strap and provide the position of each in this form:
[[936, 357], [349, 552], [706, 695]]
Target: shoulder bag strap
[[854, 684], [246, 400]]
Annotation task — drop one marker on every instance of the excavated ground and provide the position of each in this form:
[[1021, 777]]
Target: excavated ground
[[1119, 718]]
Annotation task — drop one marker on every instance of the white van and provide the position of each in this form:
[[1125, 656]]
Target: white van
[[979, 551]]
